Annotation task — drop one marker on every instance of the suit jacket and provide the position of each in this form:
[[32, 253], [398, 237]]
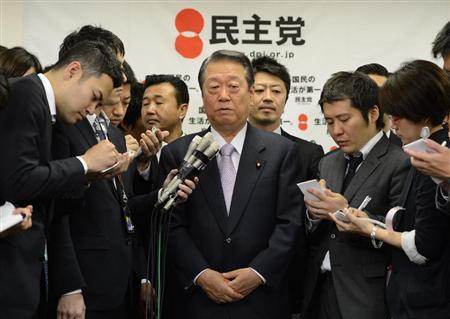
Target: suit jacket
[[358, 269], [96, 252], [422, 291], [260, 232], [28, 175], [309, 156], [393, 138]]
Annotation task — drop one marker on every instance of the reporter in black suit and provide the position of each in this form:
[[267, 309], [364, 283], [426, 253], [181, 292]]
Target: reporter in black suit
[[419, 286], [28, 173]]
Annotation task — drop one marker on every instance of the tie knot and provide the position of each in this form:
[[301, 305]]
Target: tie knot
[[227, 150], [355, 159]]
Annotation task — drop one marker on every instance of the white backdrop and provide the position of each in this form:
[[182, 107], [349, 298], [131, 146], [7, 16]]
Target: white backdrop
[[334, 36]]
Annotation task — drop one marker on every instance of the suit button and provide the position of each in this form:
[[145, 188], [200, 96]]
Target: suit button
[[228, 240], [333, 236]]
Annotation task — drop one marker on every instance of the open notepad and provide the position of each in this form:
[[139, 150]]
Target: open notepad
[[7, 218]]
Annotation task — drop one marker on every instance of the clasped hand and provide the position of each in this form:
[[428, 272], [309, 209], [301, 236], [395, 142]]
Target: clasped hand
[[230, 286]]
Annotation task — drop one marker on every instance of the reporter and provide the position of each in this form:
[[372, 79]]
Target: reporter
[[438, 165], [419, 286]]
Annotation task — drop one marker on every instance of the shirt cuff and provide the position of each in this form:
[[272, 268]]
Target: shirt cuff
[[145, 281], [259, 275], [199, 274], [410, 249], [78, 291], [145, 174], [85, 167], [311, 224]]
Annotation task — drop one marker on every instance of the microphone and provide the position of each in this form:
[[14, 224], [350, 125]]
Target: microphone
[[199, 153]]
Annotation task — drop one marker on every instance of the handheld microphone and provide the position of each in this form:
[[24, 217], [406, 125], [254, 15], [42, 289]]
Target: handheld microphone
[[198, 155]]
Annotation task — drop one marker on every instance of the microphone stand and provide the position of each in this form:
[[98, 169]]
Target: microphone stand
[[200, 152]]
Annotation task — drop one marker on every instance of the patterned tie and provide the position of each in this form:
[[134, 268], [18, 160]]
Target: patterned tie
[[352, 163], [227, 173]]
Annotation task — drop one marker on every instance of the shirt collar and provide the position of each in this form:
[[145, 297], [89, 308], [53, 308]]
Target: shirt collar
[[237, 142], [277, 130], [50, 94], [365, 150]]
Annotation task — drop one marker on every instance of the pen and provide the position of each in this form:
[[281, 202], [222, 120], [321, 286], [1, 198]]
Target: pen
[[365, 202]]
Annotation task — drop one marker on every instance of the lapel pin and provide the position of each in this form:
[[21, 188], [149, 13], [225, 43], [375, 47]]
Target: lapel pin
[[258, 164]]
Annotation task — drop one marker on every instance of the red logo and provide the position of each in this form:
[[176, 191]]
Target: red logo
[[303, 122], [189, 20]]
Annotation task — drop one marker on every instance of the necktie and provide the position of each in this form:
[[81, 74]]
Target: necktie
[[227, 173], [119, 188], [352, 164]]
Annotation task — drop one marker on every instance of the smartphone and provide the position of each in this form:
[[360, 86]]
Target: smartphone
[[314, 184], [418, 145]]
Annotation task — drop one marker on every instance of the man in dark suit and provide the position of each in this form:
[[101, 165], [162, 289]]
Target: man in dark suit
[[269, 97], [231, 243], [29, 175], [346, 274]]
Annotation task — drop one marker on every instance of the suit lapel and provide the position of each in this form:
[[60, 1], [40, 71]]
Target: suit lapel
[[212, 191], [86, 131], [247, 176], [335, 172], [367, 167]]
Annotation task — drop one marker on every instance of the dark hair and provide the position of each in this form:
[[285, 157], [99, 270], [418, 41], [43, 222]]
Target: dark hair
[[3, 49], [417, 91], [227, 55], [356, 87], [273, 67], [181, 90], [92, 33], [133, 113], [95, 59], [441, 44], [373, 68], [16, 61], [128, 71], [4, 90]]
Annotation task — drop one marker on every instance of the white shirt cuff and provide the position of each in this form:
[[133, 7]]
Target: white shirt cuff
[[82, 161], [145, 174], [311, 224], [199, 274], [78, 291], [410, 249], [259, 275], [145, 281]]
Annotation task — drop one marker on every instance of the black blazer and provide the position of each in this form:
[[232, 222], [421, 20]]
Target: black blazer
[[393, 138], [358, 270], [28, 175], [422, 291], [96, 252], [309, 156], [260, 232]]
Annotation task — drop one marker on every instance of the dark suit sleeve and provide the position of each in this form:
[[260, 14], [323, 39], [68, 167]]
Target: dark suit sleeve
[[64, 271], [273, 261], [27, 177], [316, 156], [431, 225]]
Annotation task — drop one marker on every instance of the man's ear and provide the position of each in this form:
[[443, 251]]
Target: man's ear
[[72, 69], [182, 110], [374, 114]]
